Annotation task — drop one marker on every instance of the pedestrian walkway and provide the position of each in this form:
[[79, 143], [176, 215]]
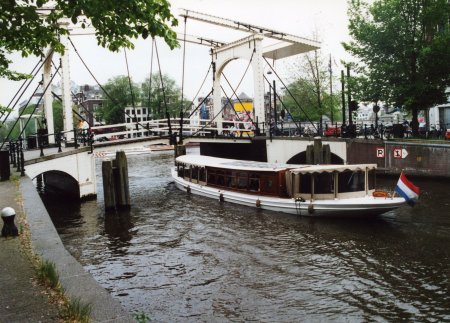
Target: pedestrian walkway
[[21, 298]]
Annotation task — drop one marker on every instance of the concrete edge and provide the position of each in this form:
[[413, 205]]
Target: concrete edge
[[76, 282]]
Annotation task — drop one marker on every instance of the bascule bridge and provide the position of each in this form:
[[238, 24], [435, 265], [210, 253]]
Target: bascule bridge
[[80, 165]]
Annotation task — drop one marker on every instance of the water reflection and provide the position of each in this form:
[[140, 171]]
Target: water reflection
[[186, 258]]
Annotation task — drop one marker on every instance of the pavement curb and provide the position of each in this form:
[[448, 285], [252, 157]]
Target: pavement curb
[[77, 283]]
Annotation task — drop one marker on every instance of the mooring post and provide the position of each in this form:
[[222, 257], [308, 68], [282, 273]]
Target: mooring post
[[326, 154], [317, 151], [180, 150], [309, 155], [108, 185], [9, 228], [121, 177]]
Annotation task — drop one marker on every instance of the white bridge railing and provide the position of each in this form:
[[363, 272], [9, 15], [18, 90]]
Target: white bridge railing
[[160, 127]]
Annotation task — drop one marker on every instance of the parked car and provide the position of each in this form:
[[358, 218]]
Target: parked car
[[447, 134], [332, 131]]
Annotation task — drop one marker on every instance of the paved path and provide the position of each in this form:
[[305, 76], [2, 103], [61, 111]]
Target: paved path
[[21, 299]]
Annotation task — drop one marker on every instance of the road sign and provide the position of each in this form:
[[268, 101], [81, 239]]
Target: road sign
[[404, 153], [397, 153], [380, 152], [400, 153]]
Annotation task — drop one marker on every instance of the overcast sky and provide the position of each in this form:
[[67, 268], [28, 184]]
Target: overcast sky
[[327, 19]]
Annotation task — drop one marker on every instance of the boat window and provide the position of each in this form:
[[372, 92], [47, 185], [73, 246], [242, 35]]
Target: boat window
[[253, 182], [195, 172], [212, 178], [324, 183], [242, 180], [269, 184], [305, 183], [187, 172], [220, 180], [372, 182], [351, 181], [180, 169], [202, 174]]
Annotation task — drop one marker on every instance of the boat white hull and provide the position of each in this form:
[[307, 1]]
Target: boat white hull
[[357, 207]]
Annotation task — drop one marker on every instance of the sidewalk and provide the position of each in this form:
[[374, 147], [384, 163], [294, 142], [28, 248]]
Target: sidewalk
[[21, 298]]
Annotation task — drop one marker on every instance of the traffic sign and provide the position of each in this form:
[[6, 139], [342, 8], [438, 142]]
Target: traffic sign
[[397, 153], [400, 153], [380, 152]]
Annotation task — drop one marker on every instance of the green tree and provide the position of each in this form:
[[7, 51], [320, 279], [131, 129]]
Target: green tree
[[157, 105], [30, 26], [403, 51], [311, 89], [120, 97], [58, 116]]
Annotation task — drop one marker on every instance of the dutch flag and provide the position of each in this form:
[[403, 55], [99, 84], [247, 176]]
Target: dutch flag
[[407, 190]]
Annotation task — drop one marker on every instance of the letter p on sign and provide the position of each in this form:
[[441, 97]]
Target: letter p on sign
[[380, 152]]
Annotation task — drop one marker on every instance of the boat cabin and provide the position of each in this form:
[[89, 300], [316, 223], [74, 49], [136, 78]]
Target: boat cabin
[[237, 175], [325, 182], [282, 180]]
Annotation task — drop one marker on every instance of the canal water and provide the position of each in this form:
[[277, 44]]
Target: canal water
[[180, 258]]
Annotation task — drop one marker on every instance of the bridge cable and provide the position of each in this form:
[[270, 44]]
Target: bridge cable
[[74, 96], [287, 89], [201, 86], [131, 86], [204, 99], [163, 89], [35, 107], [39, 101], [234, 91], [284, 106], [182, 82], [210, 121], [23, 92], [20, 88], [56, 96], [235, 112], [150, 81], [98, 83], [28, 102], [20, 114]]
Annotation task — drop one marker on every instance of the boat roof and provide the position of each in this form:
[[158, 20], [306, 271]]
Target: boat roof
[[248, 165], [310, 169]]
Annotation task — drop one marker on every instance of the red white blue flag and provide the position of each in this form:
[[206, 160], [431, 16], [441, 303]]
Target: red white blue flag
[[407, 190]]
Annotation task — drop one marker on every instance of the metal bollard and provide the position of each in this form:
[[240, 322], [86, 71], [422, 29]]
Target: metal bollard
[[9, 228]]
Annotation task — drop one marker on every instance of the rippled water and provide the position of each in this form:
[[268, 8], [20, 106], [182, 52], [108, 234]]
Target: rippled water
[[185, 258]]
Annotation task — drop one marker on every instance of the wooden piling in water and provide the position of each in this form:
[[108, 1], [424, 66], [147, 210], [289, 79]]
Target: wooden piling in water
[[317, 153], [121, 180], [115, 182], [180, 150], [109, 191]]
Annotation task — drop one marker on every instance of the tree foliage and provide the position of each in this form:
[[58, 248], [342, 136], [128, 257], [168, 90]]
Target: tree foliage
[[157, 105], [403, 51], [311, 89], [118, 97], [29, 26]]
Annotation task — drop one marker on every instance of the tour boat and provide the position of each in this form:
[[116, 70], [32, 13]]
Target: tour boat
[[309, 190], [161, 147], [128, 151]]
